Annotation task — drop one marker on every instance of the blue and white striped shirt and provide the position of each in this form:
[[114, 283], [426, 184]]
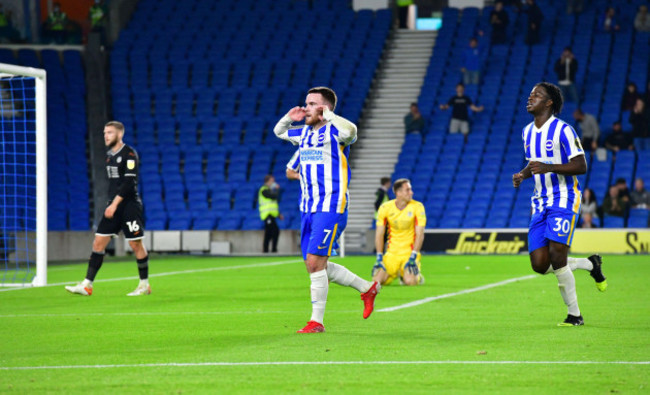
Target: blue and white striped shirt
[[324, 168], [294, 162], [554, 143]]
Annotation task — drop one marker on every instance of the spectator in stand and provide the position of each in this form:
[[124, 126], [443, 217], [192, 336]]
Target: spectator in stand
[[618, 140], [499, 20], [623, 191], [646, 95], [607, 22], [8, 33], [56, 26], [640, 197], [574, 6], [613, 205], [460, 115], [472, 63], [640, 120], [566, 68], [589, 208], [589, 127], [381, 195], [413, 121], [630, 96], [535, 18], [642, 20]]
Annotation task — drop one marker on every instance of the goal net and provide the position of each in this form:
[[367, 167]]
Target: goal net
[[23, 177]]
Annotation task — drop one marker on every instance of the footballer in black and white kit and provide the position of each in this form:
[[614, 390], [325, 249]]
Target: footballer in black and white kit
[[123, 212], [122, 172]]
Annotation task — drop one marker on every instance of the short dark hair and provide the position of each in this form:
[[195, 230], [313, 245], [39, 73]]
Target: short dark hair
[[328, 94], [267, 178], [414, 104], [116, 124], [384, 180], [555, 94], [460, 84], [399, 183]]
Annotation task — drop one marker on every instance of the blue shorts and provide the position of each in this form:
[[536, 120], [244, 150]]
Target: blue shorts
[[551, 224], [319, 233]]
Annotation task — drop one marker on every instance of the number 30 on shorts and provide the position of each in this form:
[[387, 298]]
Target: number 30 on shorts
[[562, 225]]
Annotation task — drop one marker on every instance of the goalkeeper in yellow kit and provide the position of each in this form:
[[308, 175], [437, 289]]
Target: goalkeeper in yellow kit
[[404, 219]]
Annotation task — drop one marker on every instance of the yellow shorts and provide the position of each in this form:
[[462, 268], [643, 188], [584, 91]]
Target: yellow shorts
[[395, 263]]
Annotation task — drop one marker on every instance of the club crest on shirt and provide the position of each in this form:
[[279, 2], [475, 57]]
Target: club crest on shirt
[[130, 164], [549, 145], [119, 159], [410, 214]]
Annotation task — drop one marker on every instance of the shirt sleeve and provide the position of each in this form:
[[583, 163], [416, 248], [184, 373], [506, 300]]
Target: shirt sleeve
[[346, 131], [294, 162], [128, 185], [285, 131], [570, 142], [420, 215]]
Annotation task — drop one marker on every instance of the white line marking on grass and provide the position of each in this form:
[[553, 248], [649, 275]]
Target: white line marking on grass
[[290, 363], [190, 271], [449, 295], [148, 313]]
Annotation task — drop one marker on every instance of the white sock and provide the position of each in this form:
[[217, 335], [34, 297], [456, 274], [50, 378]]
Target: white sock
[[342, 276], [144, 281], [87, 283], [319, 287], [549, 270], [567, 284], [580, 263]]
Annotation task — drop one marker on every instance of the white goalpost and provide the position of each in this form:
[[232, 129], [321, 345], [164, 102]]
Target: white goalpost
[[23, 176]]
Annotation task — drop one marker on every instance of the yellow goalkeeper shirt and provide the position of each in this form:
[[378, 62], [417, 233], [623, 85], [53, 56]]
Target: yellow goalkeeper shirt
[[400, 224]]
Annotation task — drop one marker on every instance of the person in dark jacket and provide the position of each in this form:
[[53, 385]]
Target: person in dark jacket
[[535, 18], [566, 68]]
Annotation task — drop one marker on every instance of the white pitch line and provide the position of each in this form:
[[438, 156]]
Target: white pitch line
[[210, 269], [290, 363], [449, 295]]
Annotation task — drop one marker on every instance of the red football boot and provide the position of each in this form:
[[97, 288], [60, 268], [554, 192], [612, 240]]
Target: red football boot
[[369, 300], [312, 327]]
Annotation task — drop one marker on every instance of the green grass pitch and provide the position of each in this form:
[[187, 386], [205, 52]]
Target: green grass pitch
[[227, 325]]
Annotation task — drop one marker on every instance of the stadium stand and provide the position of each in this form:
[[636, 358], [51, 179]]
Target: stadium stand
[[68, 183], [202, 84], [471, 183]]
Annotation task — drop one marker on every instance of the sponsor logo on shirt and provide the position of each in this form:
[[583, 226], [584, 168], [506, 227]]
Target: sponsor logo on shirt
[[311, 156]]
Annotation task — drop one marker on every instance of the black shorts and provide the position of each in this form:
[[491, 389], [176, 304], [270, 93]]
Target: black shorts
[[128, 218]]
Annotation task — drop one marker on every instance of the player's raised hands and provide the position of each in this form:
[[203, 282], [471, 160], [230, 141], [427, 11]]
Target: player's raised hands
[[297, 114]]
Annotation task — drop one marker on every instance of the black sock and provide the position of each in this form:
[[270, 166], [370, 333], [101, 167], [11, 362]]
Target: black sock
[[143, 267], [94, 264]]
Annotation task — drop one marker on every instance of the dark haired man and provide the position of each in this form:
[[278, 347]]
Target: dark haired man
[[324, 144], [123, 212], [404, 219], [381, 195], [555, 159]]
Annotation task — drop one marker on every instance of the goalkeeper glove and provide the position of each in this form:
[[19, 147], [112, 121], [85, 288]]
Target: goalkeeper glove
[[411, 266], [379, 264]]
